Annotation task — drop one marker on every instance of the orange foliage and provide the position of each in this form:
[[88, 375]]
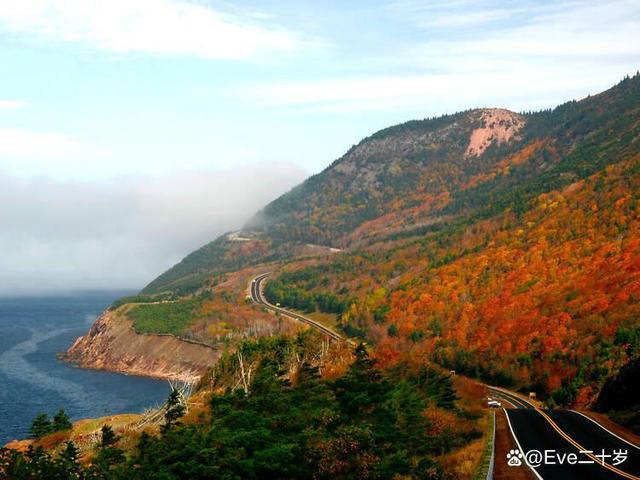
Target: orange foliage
[[502, 167], [530, 298], [530, 303], [441, 421]]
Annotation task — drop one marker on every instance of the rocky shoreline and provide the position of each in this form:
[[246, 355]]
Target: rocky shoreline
[[112, 344]]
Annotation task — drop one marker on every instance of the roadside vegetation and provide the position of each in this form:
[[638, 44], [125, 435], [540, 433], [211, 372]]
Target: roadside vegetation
[[299, 289], [620, 396], [364, 423]]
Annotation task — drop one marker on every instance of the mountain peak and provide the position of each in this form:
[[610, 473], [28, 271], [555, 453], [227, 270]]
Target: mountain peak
[[498, 125]]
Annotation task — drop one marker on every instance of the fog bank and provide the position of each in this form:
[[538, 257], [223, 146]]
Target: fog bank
[[57, 237]]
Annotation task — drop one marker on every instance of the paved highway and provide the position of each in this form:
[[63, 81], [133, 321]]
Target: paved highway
[[255, 291], [565, 434]]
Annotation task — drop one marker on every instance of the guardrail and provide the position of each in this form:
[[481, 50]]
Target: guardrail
[[485, 470]]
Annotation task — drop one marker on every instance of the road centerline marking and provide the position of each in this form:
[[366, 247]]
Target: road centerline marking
[[605, 429], [582, 449], [563, 434]]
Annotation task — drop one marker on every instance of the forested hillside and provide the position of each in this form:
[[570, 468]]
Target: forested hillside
[[500, 244], [421, 176], [547, 300]]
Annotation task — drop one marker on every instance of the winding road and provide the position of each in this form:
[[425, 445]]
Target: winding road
[[256, 294], [570, 444]]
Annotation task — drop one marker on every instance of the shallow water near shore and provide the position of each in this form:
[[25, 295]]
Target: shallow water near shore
[[33, 330]]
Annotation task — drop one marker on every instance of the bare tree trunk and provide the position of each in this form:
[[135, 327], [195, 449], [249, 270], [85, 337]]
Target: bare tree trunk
[[245, 378]]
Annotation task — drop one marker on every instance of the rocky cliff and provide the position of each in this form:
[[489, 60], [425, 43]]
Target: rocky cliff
[[112, 344]]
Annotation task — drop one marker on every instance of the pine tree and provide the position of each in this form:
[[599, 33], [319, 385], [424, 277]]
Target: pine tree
[[108, 455], [109, 437], [175, 410], [70, 452], [362, 388], [41, 426], [39, 461], [61, 421], [439, 387], [144, 444], [68, 461]]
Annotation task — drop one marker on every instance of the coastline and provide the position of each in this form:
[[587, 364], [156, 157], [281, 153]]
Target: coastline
[[112, 344]]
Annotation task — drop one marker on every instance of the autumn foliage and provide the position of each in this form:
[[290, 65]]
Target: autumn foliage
[[536, 300]]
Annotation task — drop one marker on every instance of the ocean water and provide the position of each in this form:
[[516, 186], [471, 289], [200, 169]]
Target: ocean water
[[33, 380]]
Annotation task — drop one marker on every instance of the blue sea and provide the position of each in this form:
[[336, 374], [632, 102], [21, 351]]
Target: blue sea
[[34, 380]]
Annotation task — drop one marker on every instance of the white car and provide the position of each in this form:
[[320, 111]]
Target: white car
[[494, 404]]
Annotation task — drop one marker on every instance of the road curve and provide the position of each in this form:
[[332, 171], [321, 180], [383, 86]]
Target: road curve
[[566, 432], [255, 291]]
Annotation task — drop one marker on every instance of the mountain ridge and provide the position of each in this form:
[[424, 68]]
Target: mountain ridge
[[426, 169]]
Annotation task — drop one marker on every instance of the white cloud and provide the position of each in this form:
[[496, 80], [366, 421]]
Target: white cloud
[[582, 28], [25, 152], [543, 54], [166, 27], [20, 144], [58, 156], [439, 93], [12, 104], [121, 234], [465, 18]]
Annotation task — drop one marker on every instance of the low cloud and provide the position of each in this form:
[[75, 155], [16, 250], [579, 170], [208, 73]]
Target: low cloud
[[65, 236]]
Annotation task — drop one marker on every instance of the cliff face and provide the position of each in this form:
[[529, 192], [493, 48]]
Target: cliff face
[[113, 345]]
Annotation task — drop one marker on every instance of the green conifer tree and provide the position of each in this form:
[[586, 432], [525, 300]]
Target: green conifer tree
[[61, 421], [41, 426], [175, 410], [68, 461]]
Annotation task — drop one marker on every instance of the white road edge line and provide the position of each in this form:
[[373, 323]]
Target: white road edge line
[[606, 429], [513, 434], [504, 398], [521, 400], [516, 404], [512, 398]]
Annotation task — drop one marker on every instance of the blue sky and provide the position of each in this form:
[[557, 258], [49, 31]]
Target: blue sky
[[133, 99], [148, 86]]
